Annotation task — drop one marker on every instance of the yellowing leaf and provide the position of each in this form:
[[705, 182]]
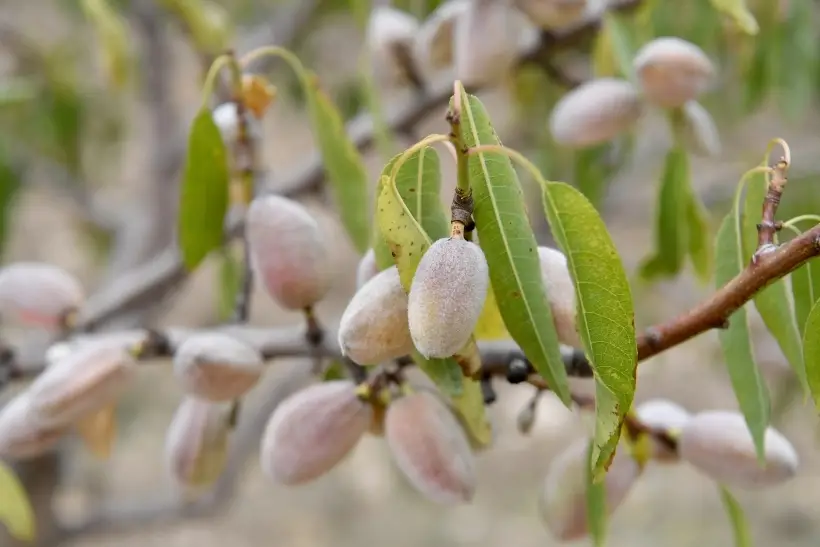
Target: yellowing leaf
[[257, 94], [204, 200], [113, 34], [469, 408], [490, 324], [747, 381], [739, 13], [99, 431], [15, 508], [606, 316], [508, 242]]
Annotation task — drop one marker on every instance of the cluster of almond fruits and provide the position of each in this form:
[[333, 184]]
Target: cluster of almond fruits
[[717, 443], [475, 41]]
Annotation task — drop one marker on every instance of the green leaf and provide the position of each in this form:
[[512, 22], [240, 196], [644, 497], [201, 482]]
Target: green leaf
[[592, 172], [508, 242], [596, 503], [774, 302], [113, 35], [10, 184], [408, 243], [16, 90], [230, 281], [469, 408], [739, 13], [620, 36], [15, 508], [700, 245], [740, 526], [806, 291], [811, 349], [335, 371], [606, 316], [747, 381], [672, 210], [343, 164], [204, 200]]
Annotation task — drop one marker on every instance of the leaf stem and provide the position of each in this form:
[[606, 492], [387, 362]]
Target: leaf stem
[[210, 78]]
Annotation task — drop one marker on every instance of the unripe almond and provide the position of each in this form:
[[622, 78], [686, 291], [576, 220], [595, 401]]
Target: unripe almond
[[312, 431], [486, 40], [719, 444], [89, 379], [226, 118], [390, 35], [367, 268], [20, 436], [553, 14], [216, 366], [373, 327], [433, 47], [38, 294], [562, 500], [430, 448], [672, 71], [560, 294], [447, 296], [196, 444], [666, 416], [288, 251], [700, 133], [595, 112]]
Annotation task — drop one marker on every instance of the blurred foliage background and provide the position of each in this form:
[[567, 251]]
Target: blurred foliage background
[[95, 100]]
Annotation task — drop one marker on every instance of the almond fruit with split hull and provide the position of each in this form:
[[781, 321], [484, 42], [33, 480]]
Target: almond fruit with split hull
[[560, 294], [196, 444], [312, 431], [430, 448], [217, 367], [562, 500], [85, 381], [288, 251], [447, 296], [374, 327], [666, 416], [390, 36], [37, 294], [718, 443], [595, 112], [367, 268], [20, 437], [672, 71]]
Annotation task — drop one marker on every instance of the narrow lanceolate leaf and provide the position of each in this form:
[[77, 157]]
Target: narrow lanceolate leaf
[[806, 291], [113, 36], [620, 38], [774, 302], [739, 13], [747, 381], [408, 243], [418, 182], [16, 512], [671, 224], [740, 526], [10, 183], [811, 349], [343, 163], [230, 280], [469, 408], [490, 324], [507, 240], [700, 240], [204, 200], [596, 504], [606, 315]]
